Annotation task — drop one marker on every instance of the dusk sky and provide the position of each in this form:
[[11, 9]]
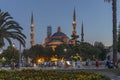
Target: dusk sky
[[95, 14]]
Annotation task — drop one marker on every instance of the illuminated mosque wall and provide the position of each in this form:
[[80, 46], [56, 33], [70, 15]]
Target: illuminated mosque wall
[[56, 39]]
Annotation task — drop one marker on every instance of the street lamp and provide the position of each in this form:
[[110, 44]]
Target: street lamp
[[65, 50], [20, 57], [13, 46], [13, 63]]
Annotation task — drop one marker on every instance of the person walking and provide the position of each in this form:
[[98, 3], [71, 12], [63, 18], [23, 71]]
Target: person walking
[[78, 63], [97, 63]]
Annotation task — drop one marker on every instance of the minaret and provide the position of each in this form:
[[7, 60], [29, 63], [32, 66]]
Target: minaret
[[49, 31], [74, 23], [82, 33], [32, 31], [74, 36]]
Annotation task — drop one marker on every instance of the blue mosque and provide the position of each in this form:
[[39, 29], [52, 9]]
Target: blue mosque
[[57, 38]]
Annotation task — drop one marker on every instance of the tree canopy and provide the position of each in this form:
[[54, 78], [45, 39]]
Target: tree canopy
[[10, 29]]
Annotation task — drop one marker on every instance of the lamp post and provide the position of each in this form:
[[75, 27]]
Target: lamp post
[[13, 46], [20, 57], [65, 50], [13, 63]]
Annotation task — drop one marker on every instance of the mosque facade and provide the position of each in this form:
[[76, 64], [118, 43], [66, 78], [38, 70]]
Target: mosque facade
[[58, 37]]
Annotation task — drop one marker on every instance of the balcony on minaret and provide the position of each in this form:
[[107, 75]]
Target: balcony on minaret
[[74, 24], [32, 25], [74, 33], [32, 29], [32, 43]]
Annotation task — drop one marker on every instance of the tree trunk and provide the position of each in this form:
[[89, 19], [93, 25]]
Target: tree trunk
[[114, 9]]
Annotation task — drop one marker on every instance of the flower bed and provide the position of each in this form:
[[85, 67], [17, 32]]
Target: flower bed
[[30, 74]]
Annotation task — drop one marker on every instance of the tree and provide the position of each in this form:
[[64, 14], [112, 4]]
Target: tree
[[10, 29], [99, 44], [114, 10], [25, 53], [38, 51], [11, 54], [84, 49], [63, 50], [102, 51]]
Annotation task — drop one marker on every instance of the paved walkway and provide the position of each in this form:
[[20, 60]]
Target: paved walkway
[[101, 70], [105, 72], [111, 75]]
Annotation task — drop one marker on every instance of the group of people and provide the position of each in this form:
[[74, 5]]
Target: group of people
[[14, 65], [108, 64], [88, 62], [79, 64]]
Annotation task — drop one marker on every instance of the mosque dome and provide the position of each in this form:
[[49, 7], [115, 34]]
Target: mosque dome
[[59, 34], [58, 38]]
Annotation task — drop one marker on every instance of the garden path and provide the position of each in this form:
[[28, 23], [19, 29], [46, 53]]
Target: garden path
[[106, 72]]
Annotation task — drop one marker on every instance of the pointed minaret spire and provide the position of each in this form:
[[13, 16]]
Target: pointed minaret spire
[[74, 36], [74, 15], [82, 33], [74, 23], [32, 31], [32, 20]]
